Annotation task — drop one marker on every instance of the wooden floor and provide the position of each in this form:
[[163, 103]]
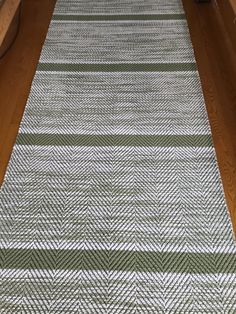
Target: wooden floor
[[216, 59], [9, 22], [17, 69]]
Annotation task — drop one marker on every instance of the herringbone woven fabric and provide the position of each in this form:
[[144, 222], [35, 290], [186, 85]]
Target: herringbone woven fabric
[[112, 201]]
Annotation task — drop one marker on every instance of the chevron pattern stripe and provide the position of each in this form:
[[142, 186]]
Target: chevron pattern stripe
[[113, 202]]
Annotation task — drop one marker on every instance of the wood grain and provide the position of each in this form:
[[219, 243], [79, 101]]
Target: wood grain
[[227, 9], [217, 68], [8, 12], [17, 69], [233, 5]]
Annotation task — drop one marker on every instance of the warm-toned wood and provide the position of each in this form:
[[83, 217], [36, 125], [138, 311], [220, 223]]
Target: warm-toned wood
[[227, 9], [233, 5], [9, 19], [17, 69], [216, 61], [11, 34]]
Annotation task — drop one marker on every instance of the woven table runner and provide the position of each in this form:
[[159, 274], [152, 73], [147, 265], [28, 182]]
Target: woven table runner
[[113, 202]]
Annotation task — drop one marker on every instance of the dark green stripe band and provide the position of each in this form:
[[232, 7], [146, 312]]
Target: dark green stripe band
[[121, 67], [194, 263], [128, 17], [115, 140]]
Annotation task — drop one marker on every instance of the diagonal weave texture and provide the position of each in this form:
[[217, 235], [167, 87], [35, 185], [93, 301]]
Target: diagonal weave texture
[[112, 201]]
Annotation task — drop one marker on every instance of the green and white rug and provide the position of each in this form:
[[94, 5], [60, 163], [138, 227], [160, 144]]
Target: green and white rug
[[112, 201]]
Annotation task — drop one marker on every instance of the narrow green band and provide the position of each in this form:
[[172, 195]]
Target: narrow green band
[[121, 67], [59, 17], [114, 140], [178, 262]]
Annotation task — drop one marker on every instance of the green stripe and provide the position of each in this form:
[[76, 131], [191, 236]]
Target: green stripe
[[59, 17], [194, 263], [114, 140], [120, 67]]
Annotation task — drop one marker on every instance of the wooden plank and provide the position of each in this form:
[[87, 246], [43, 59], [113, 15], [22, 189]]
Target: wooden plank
[[7, 16], [233, 5], [227, 9], [17, 69], [217, 68]]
